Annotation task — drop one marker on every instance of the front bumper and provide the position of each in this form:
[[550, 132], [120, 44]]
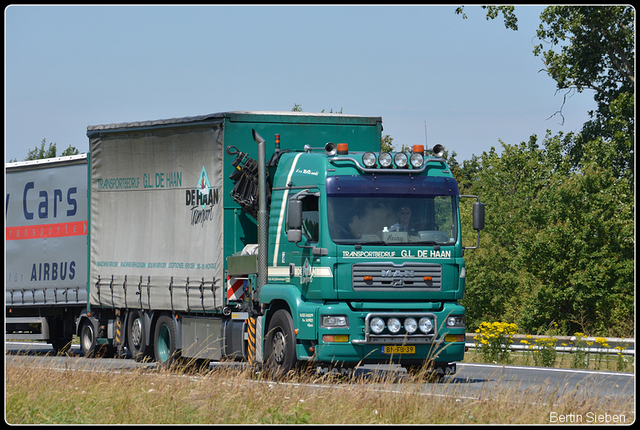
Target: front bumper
[[359, 345]]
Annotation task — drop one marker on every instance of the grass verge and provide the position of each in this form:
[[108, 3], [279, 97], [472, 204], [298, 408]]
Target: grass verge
[[233, 396], [600, 362]]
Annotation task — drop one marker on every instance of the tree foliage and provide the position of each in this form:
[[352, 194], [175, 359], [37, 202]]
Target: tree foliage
[[39, 153], [558, 244], [597, 52], [596, 49], [558, 247], [510, 19]]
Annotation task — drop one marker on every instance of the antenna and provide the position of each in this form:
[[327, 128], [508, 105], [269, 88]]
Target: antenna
[[425, 135]]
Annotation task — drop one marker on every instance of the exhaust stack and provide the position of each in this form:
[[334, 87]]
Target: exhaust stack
[[263, 216]]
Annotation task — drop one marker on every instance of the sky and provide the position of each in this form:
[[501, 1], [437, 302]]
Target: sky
[[471, 82]]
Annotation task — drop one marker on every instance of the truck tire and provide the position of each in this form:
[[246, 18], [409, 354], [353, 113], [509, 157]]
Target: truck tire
[[87, 334], [136, 336], [165, 341], [280, 347]]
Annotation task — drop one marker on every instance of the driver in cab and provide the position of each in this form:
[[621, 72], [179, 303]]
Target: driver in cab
[[404, 216]]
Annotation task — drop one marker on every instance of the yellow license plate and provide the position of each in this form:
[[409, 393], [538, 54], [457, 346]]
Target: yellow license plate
[[399, 349]]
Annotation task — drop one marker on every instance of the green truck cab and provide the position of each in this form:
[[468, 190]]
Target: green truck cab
[[365, 260]]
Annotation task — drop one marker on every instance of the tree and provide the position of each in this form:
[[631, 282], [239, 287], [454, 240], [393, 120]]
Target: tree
[[600, 52], [386, 143], [298, 108], [558, 244], [50, 152], [510, 19], [559, 239], [597, 52], [508, 183], [40, 153]]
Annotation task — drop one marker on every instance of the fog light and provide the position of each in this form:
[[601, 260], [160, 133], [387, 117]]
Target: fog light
[[410, 325], [401, 159], [385, 159], [377, 325], [425, 324], [417, 160], [369, 159], [393, 324]]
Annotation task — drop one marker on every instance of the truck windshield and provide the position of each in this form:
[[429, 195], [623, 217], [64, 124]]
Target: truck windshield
[[392, 210]]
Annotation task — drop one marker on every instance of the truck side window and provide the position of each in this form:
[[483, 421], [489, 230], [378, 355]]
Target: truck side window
[[310, 218]]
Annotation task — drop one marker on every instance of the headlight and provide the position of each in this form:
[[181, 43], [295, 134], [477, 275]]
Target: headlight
[[425, 324], [385, 159], [456, 321], [417, 160], [394, 325], [401, 159], [410, 325], [377, 325], [369, 159], [335, 321]]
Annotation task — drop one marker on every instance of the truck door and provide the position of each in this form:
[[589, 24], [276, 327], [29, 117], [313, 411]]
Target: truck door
[[313, 271]]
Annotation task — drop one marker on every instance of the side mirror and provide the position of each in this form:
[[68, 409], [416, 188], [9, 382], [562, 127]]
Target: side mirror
[[478, 219], [294, 220], [478, 216]]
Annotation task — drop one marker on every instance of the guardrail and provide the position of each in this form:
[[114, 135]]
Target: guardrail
[[567, 344]]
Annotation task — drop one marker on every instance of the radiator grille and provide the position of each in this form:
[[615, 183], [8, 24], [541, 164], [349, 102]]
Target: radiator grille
[[392, 277]]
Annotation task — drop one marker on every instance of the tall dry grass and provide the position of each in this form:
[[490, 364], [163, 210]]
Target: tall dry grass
[[240, 396]]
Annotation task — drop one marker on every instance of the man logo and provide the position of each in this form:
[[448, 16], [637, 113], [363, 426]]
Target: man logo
[[397, 274]]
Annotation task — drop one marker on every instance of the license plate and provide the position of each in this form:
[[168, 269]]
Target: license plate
[[399, 349]]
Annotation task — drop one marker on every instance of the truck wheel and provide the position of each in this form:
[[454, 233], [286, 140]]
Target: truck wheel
[[87, 338], [136, 337], [165, 341], [280, 347]]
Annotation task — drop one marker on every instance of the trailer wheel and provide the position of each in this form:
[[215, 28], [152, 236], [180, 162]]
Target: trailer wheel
[[165, 341], [87, 338], [280, 348], [136, 336]]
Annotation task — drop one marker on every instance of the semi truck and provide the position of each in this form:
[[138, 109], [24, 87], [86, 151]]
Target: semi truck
[[282, 239]]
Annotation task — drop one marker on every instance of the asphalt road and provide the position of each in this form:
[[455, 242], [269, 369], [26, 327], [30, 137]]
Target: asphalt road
[[472, 381]]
